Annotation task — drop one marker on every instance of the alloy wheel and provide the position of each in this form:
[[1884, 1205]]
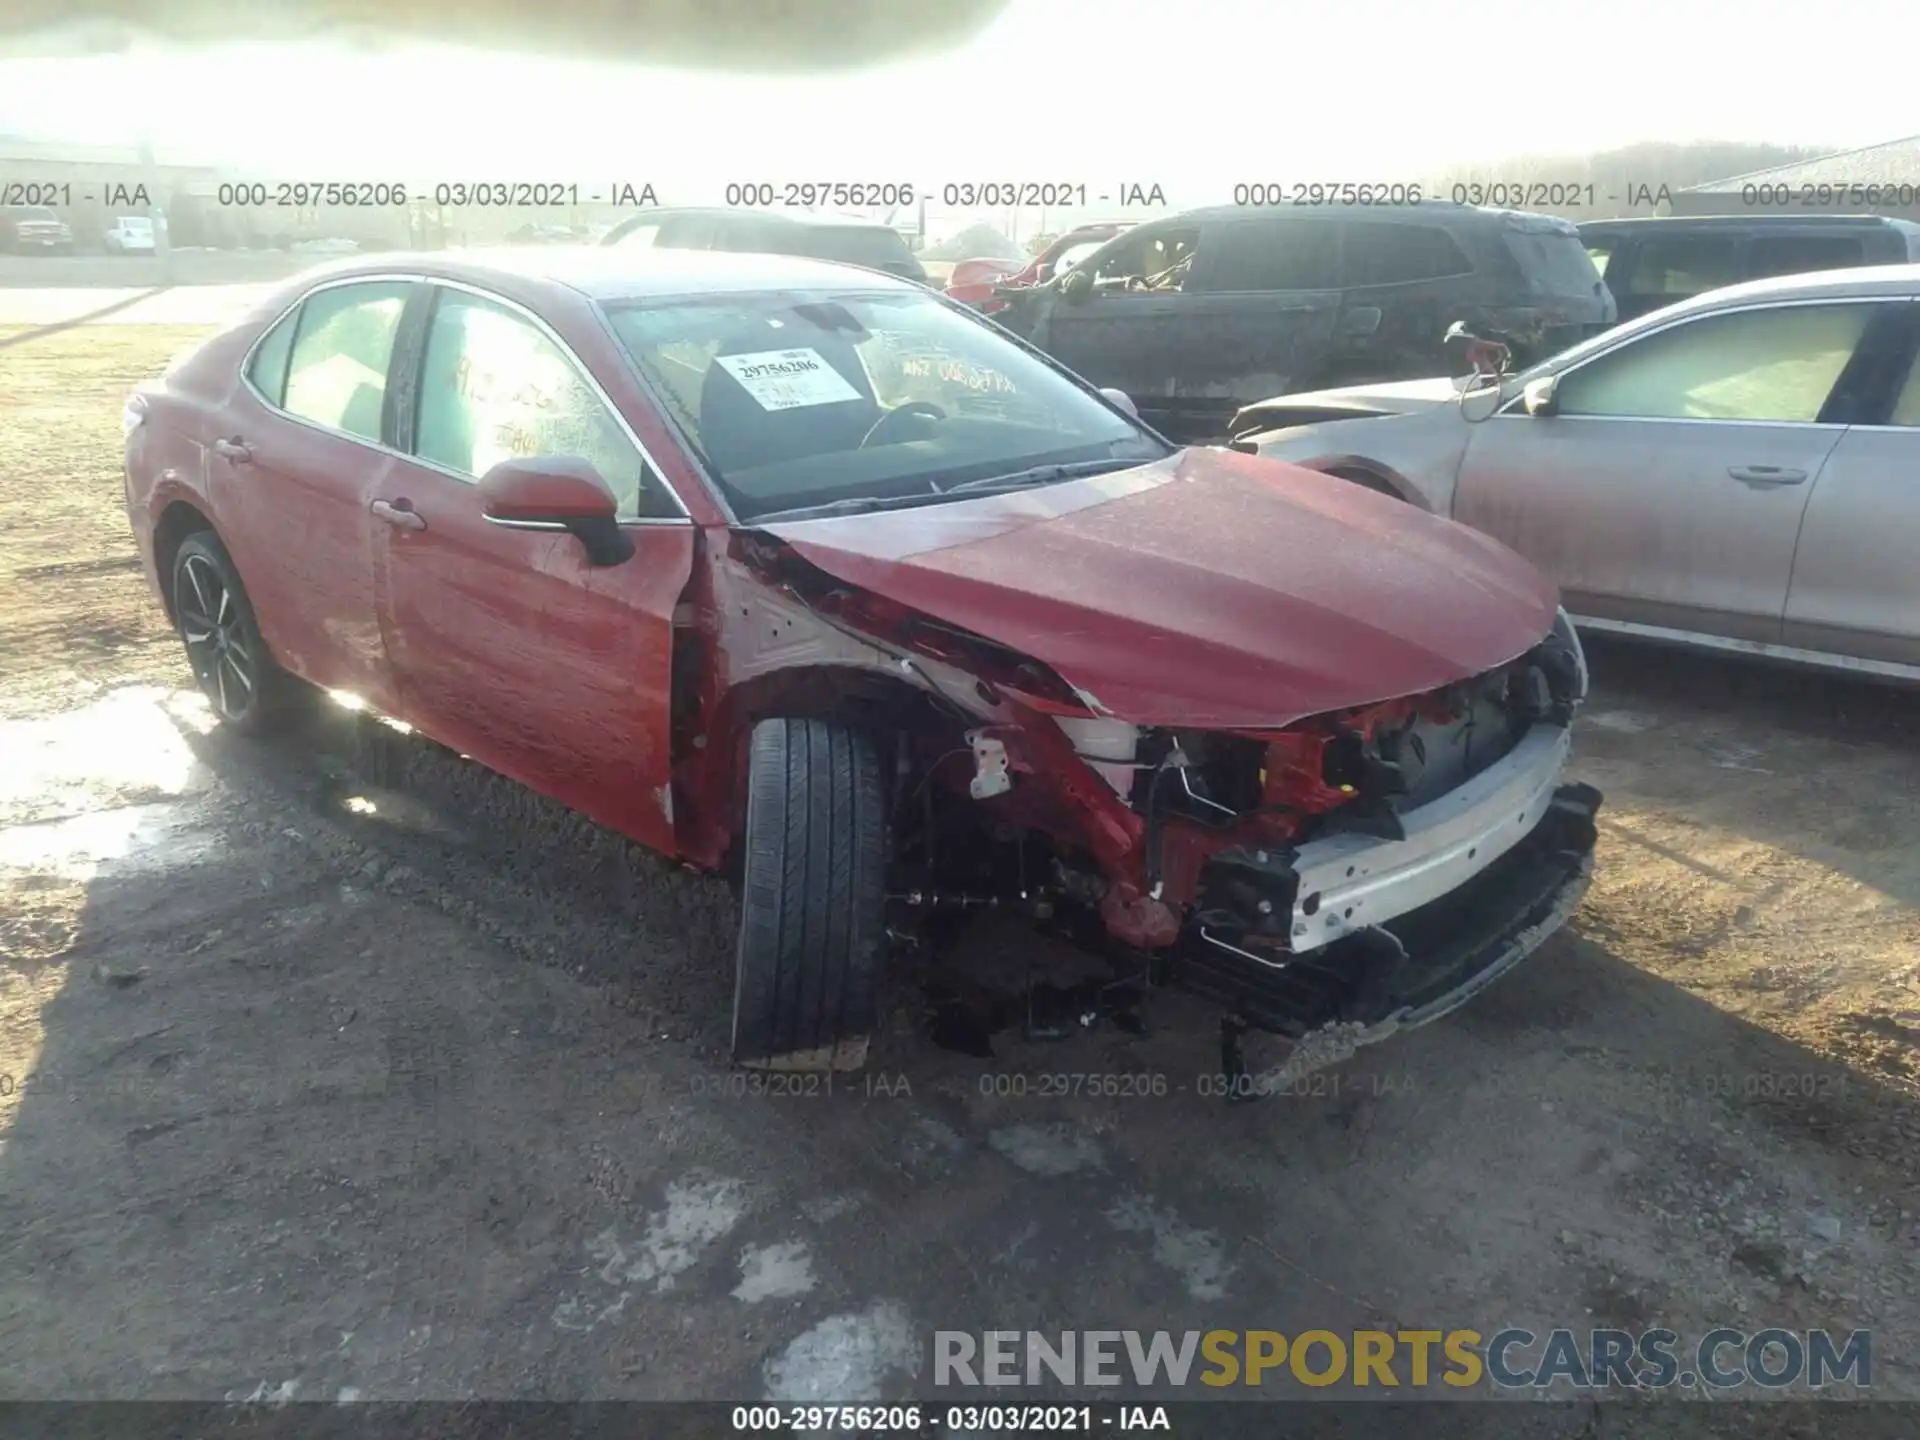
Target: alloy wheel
[[222, 655]]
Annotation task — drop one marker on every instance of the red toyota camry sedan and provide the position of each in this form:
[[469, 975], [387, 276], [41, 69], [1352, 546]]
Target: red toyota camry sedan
[[804, 575]]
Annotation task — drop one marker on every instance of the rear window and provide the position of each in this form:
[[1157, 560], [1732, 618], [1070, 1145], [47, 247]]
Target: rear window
[[875, 246], [1555, 262]]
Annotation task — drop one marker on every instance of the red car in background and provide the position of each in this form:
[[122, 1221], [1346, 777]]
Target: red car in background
[[974, 282]]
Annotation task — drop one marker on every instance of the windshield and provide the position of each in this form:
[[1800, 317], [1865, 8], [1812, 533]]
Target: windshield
[[801, 399]]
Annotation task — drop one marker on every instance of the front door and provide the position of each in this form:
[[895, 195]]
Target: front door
[[508, 644], [1262, 316], [1120, 333], [301, 443], [1668, 487]]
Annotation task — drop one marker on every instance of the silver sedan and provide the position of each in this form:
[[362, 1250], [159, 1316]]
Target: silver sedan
[[1739, 471]]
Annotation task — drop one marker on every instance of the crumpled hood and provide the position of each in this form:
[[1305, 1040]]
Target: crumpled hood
[[1209, 590]]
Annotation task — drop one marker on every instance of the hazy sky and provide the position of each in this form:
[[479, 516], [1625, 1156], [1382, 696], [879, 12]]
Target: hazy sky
[[1196, 95]]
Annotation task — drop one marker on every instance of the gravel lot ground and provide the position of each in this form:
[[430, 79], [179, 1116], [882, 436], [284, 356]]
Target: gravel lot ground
[[337, 1065]]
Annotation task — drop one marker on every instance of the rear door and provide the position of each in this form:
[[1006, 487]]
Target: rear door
[[306, 434], [1261, 313], [1668, 488], [1856, 578], [504, 642], [1402, 286]]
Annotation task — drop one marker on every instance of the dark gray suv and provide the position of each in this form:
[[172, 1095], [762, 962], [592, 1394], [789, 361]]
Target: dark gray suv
[[1658, 261], [1200, 313]]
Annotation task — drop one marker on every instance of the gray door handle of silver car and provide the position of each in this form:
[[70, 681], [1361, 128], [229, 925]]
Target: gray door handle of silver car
[[399, 513], [1758, 475]]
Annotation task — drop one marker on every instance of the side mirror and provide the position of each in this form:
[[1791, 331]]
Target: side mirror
[[557, 492], [1537, 398], [1076, 285], [1120, 400]]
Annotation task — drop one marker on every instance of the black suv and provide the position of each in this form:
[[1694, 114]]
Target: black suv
[[1656, 262], [762, 232], [1198, 314]]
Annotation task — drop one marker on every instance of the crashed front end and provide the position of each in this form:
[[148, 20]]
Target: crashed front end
[[1366, 869], [1371, 868]]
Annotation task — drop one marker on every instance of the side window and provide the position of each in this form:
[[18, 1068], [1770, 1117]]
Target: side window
[[1069, 257], [1158, 260], [1381, 253], [493, 387], [337, 371], [1600, 252], [268, 372], [1682, 265], [692, 232], [1273, 255], [641, 237], [1797, 254], [747, 237], [1772, 365]]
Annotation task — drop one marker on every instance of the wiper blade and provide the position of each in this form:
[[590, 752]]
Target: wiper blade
[[1042, 475], [1019, 479], [850, 505]]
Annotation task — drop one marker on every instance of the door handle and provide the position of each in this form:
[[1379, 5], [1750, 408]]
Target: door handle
[[398, 512], [1765, 475], [234, 451], [1360, 322]]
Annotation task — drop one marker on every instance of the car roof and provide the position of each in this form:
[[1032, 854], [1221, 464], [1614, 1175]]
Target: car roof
[[1747, 222], [618, 272]]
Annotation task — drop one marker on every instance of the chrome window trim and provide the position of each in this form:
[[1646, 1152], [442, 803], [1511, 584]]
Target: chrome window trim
[[566, 351], [1510, 408]]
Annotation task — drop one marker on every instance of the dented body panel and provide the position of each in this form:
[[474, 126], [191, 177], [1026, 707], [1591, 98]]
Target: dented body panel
[[1213, 590]]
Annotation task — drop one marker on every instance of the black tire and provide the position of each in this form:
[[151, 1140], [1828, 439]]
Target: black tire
[[813, 896], [248, 690]]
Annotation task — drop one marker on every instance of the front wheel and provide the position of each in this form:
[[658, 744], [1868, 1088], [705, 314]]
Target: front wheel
[[247, 689], [813, 898]]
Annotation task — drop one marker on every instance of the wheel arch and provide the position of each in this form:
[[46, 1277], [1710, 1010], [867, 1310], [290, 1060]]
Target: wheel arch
[[178, 520], [1372, 475]]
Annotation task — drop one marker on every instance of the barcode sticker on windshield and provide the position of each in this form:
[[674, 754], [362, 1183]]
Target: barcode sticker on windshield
[[788, 379]]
